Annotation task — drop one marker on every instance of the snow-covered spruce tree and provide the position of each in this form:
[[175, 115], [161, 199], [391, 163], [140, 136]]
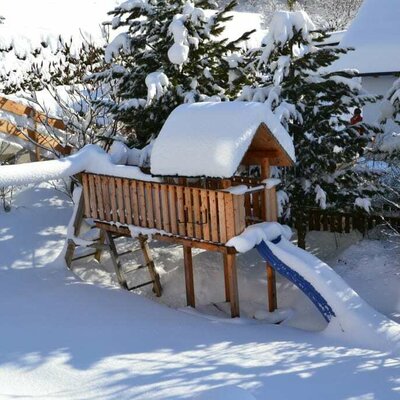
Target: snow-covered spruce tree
[[168, 54], [327, 146]]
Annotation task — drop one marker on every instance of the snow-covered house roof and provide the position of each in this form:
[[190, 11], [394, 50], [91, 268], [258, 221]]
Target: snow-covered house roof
[[212, 139], [375, 36]]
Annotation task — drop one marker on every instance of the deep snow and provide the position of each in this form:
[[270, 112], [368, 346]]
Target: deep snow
[[66, 339]]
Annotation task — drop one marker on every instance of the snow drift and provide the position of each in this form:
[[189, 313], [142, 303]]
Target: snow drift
[[353, 316]]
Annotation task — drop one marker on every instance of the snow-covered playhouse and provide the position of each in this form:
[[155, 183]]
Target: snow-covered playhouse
[[199, 200], [195, 199]]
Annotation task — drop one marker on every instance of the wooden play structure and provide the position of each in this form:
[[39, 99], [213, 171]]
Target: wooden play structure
[[34, 118], [195, 212]]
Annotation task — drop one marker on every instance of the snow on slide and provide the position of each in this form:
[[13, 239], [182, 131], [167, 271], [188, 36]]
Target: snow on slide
[[349, 316]]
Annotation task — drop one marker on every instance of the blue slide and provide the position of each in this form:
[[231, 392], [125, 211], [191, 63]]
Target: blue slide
[[298, 280]]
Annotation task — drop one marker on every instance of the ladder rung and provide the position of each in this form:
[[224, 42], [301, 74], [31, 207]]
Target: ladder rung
[[124, 253], [141, 285], [129, 270], [83, 256]]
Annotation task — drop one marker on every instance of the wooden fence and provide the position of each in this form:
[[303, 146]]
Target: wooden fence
[[28, 134], [202, 214], [314, 219]]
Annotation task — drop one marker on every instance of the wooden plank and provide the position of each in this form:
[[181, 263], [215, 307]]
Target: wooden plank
[[99, 196], [205, 214], [134, 202], [166, 225], [222, 217], [127, 201], [157, 205], [242, 214], [233, 284], [247, 205], [212, 197], [198, 222], [173, 209], [21, 109], [180, 203], [43, 140], [189, 281], [120, 201], [106, 197], [149, 204], [236, 214], [230, 216], [189, 212], [148, 258], [142, 205], [257, 211], [198, 244], [113, 199], [85, 184], [92, 199]]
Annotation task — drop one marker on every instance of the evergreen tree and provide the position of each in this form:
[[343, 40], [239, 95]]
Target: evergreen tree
[[169, 54], [327, 146]]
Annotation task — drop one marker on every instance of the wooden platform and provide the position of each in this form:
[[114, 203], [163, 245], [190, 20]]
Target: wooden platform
[[188, 215]]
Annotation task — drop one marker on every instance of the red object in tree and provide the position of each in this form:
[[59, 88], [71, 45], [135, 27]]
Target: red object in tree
[[355, 119]]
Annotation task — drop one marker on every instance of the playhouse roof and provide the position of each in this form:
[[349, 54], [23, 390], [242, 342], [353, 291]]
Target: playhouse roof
[[375, 35], [211, 139]]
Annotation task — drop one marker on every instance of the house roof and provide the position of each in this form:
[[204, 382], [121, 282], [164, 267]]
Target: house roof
[[375, 36], [212, 139]]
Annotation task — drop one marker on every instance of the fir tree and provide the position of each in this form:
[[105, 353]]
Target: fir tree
[[168, 55], [327, 146]]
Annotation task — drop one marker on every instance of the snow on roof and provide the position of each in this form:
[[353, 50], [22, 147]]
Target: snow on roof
[[211, 139], [375, 35]]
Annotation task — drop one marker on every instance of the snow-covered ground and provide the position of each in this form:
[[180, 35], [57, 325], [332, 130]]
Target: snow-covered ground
[[63, 338]]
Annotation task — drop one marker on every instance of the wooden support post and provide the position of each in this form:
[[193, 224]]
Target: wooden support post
[[226, 279], [269, 213], [188, 265], [148, 258], [99, 251], [233, 284], [272, 298], [69, 254]]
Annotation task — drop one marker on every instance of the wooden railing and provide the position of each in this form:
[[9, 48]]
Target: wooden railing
[[254, 203], [28, 134], [202, 214]]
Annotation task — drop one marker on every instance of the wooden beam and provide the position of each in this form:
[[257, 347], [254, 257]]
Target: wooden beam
[[36, 137], [188, 266], [220, 248], [148, 258], [233, 284], [226, 279], [37, 116], [269, 214]]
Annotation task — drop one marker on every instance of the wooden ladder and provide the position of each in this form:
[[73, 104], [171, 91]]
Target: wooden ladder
[[106, 242]]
